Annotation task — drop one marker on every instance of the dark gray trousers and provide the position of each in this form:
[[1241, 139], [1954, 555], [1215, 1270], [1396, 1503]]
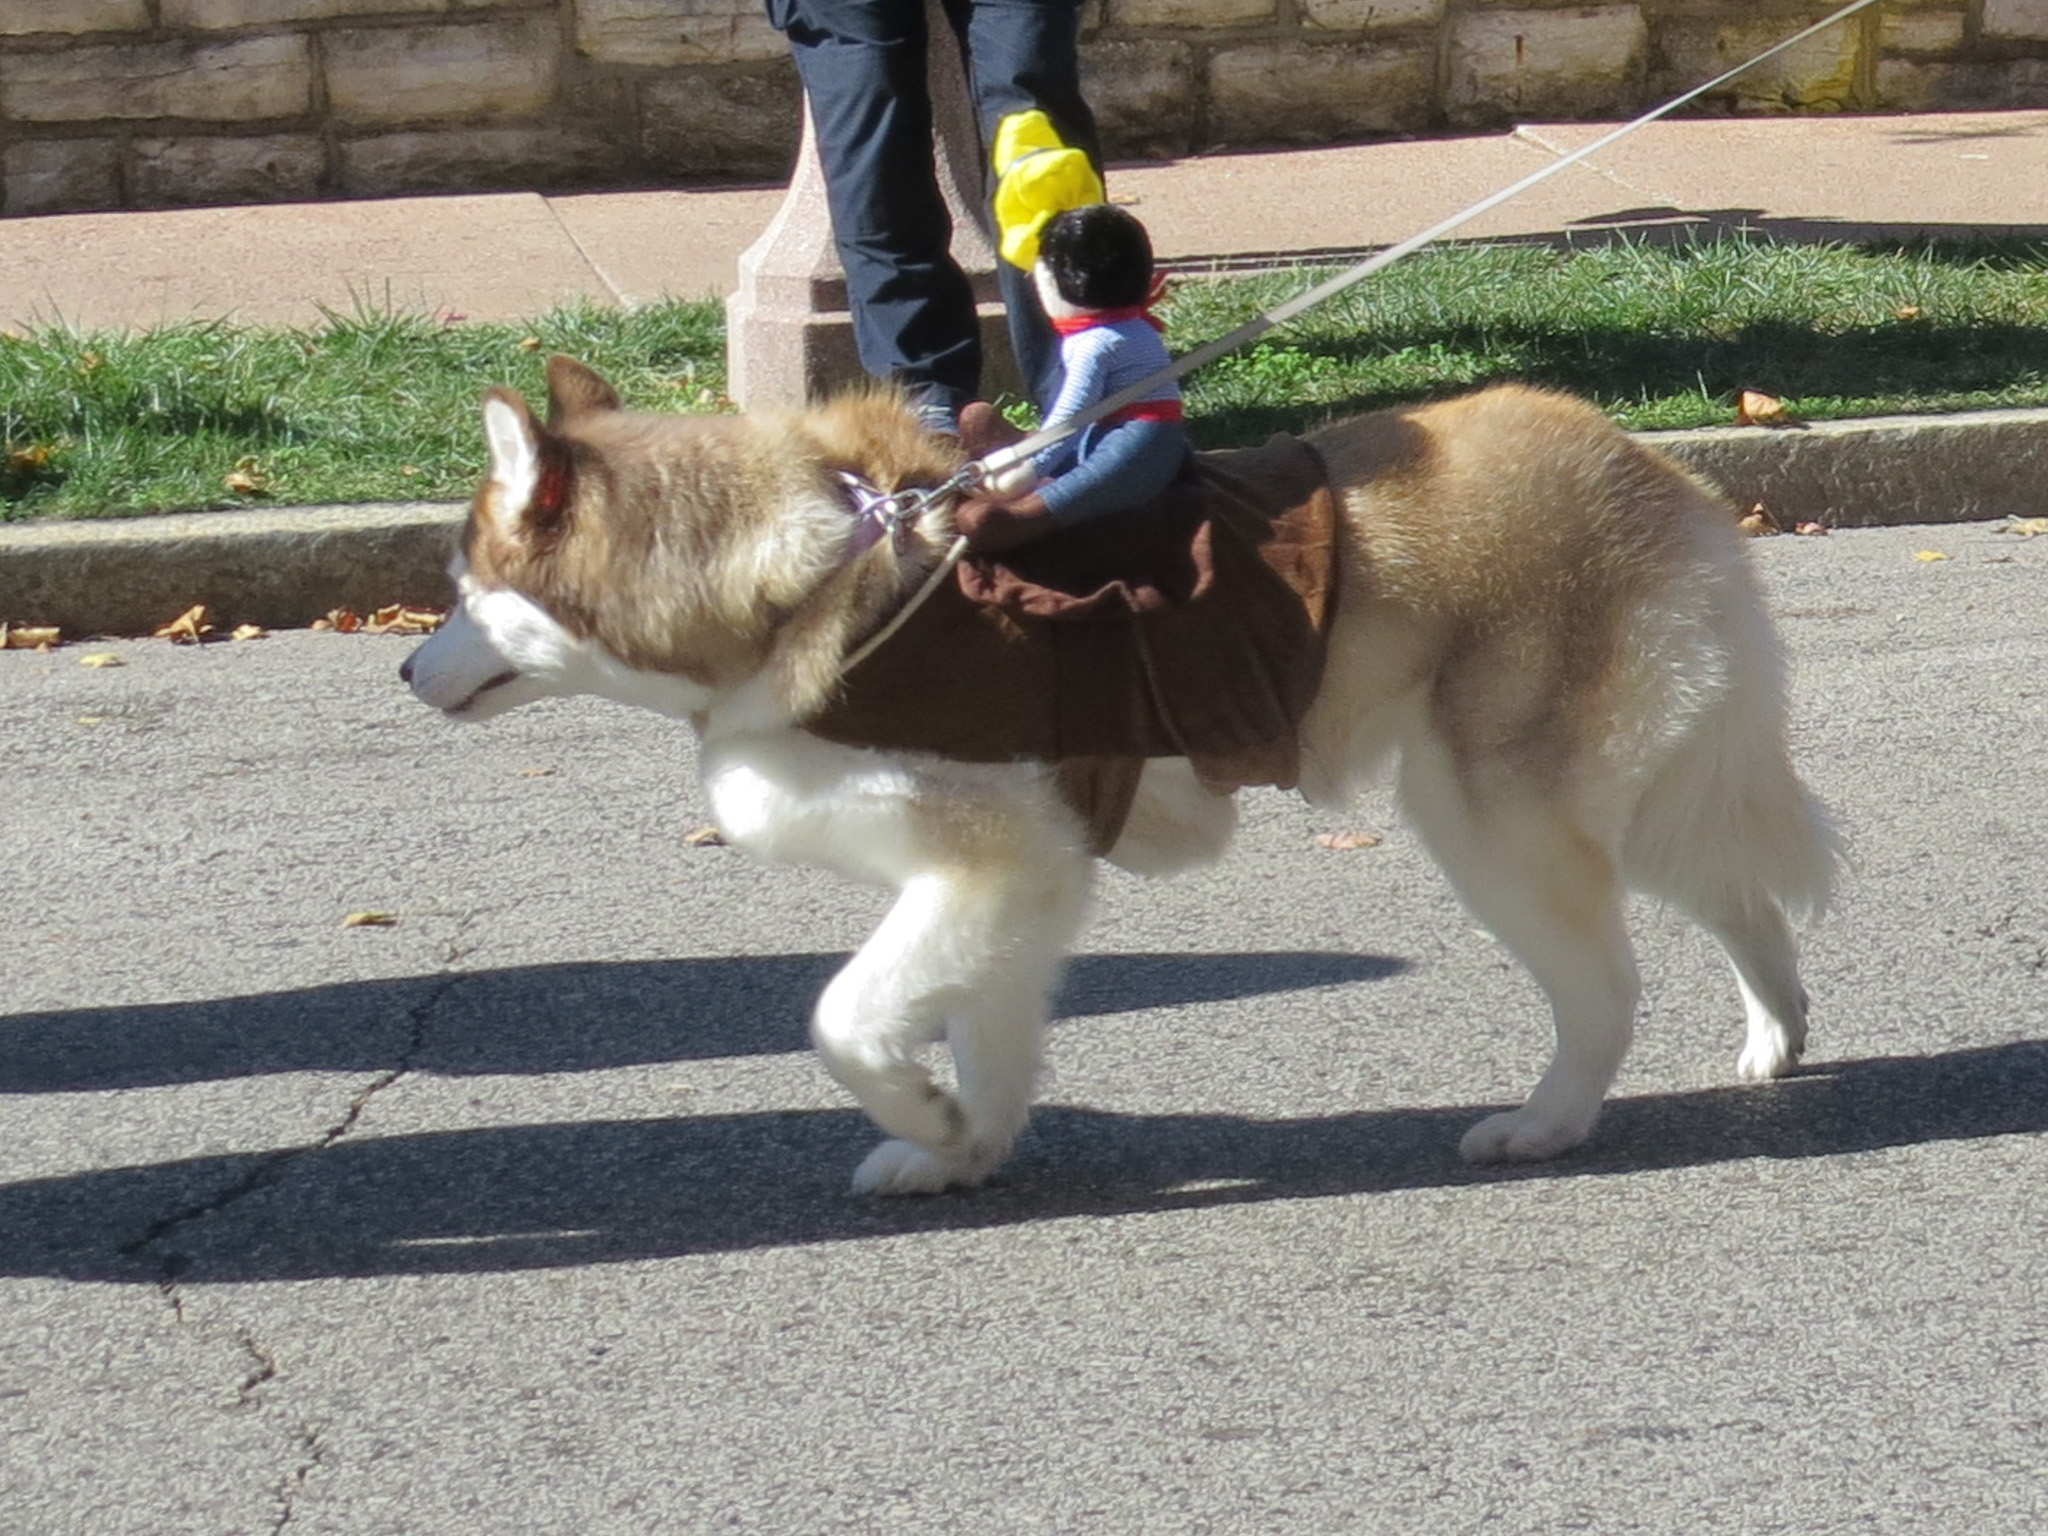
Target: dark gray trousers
[[862, 63]]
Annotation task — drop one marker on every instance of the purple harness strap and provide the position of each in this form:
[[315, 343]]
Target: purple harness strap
[[875, 516]]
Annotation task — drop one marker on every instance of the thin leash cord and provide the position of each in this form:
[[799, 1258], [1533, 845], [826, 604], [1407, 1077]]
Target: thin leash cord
[[1018, 452], [916, 600]]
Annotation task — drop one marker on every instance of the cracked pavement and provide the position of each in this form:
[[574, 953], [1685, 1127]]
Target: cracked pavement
[[526, 1212]]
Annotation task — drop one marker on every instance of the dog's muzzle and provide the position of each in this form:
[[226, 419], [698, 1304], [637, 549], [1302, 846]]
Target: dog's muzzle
[[450, 676]]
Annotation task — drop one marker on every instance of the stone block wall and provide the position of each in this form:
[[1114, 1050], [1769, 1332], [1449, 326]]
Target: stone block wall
[[153, 103]]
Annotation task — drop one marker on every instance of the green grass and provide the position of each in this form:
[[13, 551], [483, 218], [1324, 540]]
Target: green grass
[[364, 407], [375, 406], [1658, 336]]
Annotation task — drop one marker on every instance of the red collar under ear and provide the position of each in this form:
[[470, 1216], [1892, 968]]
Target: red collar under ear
[[551, 490]]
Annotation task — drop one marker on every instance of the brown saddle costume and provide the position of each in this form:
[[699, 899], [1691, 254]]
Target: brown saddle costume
[[1194, 626]]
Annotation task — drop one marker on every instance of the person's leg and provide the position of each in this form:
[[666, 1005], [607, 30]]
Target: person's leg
[[1119, 468], [863, 70], [1023, 54]]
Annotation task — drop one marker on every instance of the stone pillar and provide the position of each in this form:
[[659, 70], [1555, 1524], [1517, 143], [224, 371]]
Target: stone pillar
[[789, 337]]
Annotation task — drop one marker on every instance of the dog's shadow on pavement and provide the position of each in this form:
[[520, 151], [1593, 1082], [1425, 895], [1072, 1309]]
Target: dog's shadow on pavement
[[545, 1196], [527, 1196], [582, 1017]]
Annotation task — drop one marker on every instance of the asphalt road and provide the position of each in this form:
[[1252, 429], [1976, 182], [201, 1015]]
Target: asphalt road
[[526, 1213]]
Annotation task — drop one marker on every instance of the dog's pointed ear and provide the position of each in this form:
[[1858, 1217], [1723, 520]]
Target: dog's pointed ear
[[526, 488], [576, 390]]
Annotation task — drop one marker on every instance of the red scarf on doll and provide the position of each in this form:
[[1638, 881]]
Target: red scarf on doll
[[1073, 325]]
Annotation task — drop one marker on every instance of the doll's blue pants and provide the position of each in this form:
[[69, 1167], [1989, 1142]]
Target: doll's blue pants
[[1116, 468]]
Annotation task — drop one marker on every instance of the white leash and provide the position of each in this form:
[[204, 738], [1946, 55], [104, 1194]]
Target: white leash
[[1018, 452]]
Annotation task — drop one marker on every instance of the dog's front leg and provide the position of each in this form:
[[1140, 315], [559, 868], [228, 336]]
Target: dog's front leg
[[969, 955]]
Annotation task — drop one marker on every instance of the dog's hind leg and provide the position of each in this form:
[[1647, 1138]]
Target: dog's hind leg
[[1759, 944], [1749, 923], [1730, 837], [1553, 895], [971, 956]]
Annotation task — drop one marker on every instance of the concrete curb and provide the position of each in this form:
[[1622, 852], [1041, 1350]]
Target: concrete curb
[[279, 567], [283, 568], [1881, 471]]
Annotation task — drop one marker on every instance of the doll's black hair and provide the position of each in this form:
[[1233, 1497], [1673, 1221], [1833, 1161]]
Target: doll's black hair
[[1099, 257]]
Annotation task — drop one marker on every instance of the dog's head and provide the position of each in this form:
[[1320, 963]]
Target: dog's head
[[661, 560]]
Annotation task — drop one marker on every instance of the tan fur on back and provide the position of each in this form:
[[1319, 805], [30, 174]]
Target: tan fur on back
[[1502, 545]]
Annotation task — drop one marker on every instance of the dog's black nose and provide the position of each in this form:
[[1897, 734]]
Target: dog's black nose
[[405, 670]]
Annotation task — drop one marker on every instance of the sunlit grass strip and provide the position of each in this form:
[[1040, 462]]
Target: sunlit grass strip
[[377, 406], [1660, 336], [364, 407]]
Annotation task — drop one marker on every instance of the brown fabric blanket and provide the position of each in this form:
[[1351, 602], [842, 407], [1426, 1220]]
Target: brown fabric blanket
[[1192, 627]]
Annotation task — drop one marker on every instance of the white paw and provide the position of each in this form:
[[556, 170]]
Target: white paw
[[905, 1168], [1521, 1136], [1763, 1059]]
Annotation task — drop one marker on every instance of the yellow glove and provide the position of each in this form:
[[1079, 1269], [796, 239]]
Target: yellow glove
[[1036, 177]]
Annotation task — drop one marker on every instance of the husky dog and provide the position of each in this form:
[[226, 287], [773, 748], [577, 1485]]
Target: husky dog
[[1550, 633]]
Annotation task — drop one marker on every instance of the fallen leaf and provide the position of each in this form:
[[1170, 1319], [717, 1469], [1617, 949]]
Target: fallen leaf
[[536, 773], [529, 343], [26, 461], [249, 632], [397, 619], [1754, 408], [189, 627], [368, 920], [2027, 527], [704, 837], [1929, 555], [1812, 530], [247, 478], [1347, 842], [27, 637], [1909, 312], [1758, 523], [101, 659], [343, 621]]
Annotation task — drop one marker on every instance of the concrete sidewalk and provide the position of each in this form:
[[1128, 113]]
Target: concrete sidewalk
[[1953, 176], [513, 255]]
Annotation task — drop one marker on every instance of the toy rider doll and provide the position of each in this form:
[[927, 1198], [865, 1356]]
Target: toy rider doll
[[1092, 267]]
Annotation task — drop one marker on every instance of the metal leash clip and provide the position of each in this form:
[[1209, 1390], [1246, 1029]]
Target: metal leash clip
[[896, 513], [880, 514]]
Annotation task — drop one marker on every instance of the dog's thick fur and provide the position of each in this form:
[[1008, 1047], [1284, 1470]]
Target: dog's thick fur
[[1550, 633]]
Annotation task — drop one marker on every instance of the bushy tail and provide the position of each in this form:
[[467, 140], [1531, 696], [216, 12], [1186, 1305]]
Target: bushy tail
[[1728, 819]]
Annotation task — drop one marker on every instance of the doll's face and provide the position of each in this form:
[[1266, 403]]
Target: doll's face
[[1049, 294]]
